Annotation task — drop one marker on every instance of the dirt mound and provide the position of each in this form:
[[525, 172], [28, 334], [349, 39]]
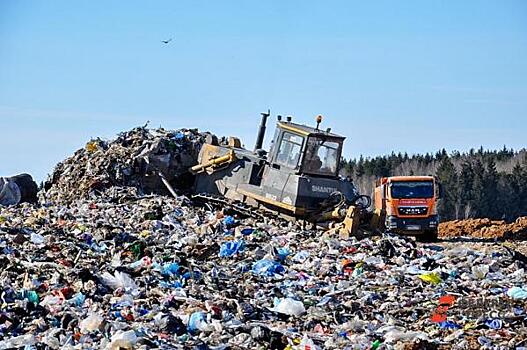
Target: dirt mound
[[484, 228], [133, 159]]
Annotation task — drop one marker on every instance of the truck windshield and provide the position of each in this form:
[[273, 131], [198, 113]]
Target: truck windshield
[[412, 189], [322, 156]]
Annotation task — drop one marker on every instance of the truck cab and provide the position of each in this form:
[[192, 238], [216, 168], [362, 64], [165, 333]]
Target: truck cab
[[409, 204]]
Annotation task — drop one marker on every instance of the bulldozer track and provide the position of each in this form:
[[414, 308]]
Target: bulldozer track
[[239, 207]]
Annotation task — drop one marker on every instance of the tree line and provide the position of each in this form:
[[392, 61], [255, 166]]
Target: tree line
[[476, 184]]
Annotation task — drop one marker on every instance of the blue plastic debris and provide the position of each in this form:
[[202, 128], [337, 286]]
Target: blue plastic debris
[[247, 231], [165, 284], [242, 268], [231, 248], [494, 324], [266, 267], [78, 299], [195, 275], [283, 253], [517, 293], [179, 136], [195, 321], [229, 221], [301, 256], [170, 269], [449, 325]]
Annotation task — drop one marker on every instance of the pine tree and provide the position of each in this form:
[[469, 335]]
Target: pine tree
[[465, 198], [447, 176], [491, 190], [478, 189], [519, 176], [508, 196], [359, 170]]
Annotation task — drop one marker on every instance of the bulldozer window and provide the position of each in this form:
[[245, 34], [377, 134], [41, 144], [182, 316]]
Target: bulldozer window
[[290, 149], [322, 156]]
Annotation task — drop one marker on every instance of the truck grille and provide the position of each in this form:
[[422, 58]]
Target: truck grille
[[413, 210]]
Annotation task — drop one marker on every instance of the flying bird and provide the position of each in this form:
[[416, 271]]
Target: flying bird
[[166, 41]]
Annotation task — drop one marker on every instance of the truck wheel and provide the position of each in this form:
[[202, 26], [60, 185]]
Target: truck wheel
[[428, 236]]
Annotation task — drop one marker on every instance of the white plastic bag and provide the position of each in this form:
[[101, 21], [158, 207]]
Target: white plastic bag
[[123, 340], [120, 280], [289, 307], [91, 323], [480, 271]]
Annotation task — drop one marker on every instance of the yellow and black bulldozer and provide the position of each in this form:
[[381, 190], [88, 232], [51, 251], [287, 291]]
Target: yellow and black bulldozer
[[297, 178]]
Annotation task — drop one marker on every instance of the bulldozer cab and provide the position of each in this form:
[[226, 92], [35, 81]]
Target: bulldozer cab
[[305, 150]]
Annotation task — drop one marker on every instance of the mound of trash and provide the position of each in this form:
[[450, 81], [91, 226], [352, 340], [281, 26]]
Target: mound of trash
[[135, 158], [123, 270], [484, 228]]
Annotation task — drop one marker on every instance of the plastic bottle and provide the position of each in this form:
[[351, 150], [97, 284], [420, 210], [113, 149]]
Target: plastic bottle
[[307, 343]]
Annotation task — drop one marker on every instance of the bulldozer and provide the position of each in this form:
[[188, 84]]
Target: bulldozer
[[298, 178]]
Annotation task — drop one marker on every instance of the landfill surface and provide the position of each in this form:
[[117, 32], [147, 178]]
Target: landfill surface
[[112, 267]]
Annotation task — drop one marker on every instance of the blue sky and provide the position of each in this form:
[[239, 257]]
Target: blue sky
[[411, 76]]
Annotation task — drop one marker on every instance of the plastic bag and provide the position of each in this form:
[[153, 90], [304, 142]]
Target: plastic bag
[[307, 344], [394, 336], [301, 256], [197, 322], [283, 253], [431, 277], [37, 239], [123, 340], [480, 271], [289, 306], [229, 221], [120, 280], [231, 248], [170, 269], [517, 293], [494, 324], [91, 323], [18, 342], [266, 267], [145, 261]]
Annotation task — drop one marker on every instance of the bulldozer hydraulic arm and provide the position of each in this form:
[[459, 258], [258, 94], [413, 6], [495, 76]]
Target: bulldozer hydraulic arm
[[214, 162]]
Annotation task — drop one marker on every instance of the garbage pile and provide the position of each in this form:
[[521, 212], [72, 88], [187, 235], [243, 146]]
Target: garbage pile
[[135, 158], [484, 228], [124, 270]]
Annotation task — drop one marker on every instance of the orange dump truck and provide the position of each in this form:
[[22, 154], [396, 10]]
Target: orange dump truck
[[408, 204]]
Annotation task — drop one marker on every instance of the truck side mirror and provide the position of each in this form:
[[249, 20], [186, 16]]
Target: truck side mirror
[[383, 191], [439, 191]]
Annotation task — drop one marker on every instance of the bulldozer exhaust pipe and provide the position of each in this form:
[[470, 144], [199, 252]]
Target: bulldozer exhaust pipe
[[261, 131]]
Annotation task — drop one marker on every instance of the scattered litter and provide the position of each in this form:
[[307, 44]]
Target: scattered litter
[[106, 264]]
